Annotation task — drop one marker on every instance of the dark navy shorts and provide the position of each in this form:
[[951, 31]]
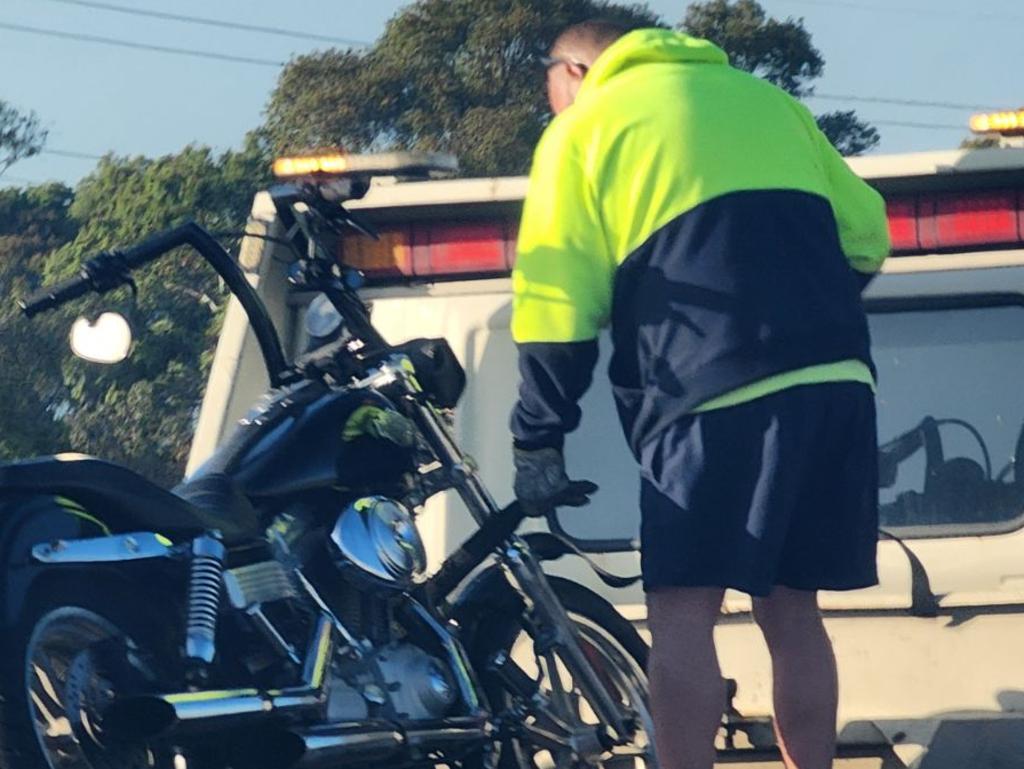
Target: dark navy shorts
[[782, 490]]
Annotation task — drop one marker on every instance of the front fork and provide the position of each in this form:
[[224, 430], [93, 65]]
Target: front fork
[[523, 568]]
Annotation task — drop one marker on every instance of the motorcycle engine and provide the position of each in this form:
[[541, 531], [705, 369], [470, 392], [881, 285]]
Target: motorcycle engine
[[401, 677], [376, 544]]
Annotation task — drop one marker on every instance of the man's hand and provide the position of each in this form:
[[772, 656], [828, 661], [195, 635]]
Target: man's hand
[[541, 484]]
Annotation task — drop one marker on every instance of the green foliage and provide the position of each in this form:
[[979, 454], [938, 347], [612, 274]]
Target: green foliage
[[458, 76], [985, 141], [780, 52], [21, 136], [850, 135], [141, 412], [32, 223]]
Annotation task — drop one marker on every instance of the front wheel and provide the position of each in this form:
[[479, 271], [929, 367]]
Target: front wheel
[[535, 731]]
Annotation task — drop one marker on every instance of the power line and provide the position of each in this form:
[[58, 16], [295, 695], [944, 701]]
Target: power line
[[927, 126], [138, 46], [12, 180], [918, 10], [214, 22], [71, 154], [901, 102]]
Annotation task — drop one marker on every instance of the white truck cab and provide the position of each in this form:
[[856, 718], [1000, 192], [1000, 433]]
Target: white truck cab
[[931, 660]]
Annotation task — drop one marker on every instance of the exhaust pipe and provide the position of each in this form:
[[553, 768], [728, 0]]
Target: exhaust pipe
[[321, 747], [150, 716], [450, 734], [330, 747], [333, 746]]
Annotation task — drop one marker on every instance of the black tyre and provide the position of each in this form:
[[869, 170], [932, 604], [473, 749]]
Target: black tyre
[[612, 645], [77, 646]]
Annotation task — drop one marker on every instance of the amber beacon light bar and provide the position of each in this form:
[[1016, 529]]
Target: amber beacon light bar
[[1007, 122]]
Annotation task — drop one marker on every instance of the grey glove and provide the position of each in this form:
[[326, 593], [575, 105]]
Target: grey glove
[[541, 484]]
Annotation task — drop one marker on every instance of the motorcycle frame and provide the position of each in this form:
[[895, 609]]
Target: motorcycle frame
[[386, 372]]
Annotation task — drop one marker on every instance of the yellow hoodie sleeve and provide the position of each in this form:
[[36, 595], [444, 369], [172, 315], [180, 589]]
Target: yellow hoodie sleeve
[[562, 281], [859, 210]]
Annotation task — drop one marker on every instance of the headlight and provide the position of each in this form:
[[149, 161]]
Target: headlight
[[376, 538]]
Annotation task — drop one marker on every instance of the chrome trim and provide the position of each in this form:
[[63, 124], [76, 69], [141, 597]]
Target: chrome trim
[[266, 627], [375, 538], [445, 736], [154, 715], [330, 747], [524, 571], [206, 582], [258, 583], [355, 646], [458, 661], [119, 548], [528, 578]]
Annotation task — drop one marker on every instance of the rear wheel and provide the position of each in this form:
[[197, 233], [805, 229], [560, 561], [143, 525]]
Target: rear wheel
[[616, 652], [73, 653]]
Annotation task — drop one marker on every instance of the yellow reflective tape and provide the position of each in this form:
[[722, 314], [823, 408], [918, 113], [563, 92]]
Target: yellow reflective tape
[[69, 503], [321, 664], [214, 695], [73, 508], [163, 540]]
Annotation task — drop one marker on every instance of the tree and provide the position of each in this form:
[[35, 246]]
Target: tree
[[142, 412], [849, 134], [458, 76], [33, 222], [782, 53], [21, 136], [982, 142]]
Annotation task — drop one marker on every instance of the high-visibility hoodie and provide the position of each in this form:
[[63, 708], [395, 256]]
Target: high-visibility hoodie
[[700, 211]]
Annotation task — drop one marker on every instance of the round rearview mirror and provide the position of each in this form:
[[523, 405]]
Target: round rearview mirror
[[105, 340], [322, 319]]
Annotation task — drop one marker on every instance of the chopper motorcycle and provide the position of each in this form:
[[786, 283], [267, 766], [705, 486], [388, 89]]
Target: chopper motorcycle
[[274, 611]]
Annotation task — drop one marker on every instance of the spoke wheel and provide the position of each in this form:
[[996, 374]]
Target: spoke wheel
[[80, 644], [621, 674], [72, 660], [563, 731]]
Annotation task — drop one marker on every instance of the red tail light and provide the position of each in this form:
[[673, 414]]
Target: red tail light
[[956, 221], [460, 249], [988, 218], [433, 251], [903, 223], [436, 250]]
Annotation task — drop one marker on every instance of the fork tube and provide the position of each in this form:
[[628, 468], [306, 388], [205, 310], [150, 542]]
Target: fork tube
[[527, 574]]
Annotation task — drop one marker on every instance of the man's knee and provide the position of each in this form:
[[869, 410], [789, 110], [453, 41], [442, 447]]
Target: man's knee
[[682, 613], [785, 611]]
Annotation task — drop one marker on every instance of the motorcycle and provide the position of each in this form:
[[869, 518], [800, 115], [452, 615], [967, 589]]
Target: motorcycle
[[273, 611]]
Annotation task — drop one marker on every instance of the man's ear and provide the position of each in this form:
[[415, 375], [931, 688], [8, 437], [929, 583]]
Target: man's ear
[[579, 71]]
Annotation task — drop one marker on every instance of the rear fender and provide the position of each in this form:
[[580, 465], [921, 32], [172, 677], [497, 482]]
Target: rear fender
[[28, 520]]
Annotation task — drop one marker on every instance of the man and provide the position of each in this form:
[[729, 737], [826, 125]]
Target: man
[[701, 212]]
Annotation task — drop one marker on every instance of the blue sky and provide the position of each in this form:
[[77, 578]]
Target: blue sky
[[98, 98]]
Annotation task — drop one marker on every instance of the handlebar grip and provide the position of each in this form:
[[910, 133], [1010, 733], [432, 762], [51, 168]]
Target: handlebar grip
[[49, 297]]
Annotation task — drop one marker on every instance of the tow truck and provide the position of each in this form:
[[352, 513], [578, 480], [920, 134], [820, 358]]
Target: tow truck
[[930, 661]]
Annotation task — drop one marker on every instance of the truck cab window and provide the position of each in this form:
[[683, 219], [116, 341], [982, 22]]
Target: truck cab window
[[950, 418]]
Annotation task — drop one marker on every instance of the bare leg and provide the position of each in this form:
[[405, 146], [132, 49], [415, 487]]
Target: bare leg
[[805, 685], [687, 690]]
